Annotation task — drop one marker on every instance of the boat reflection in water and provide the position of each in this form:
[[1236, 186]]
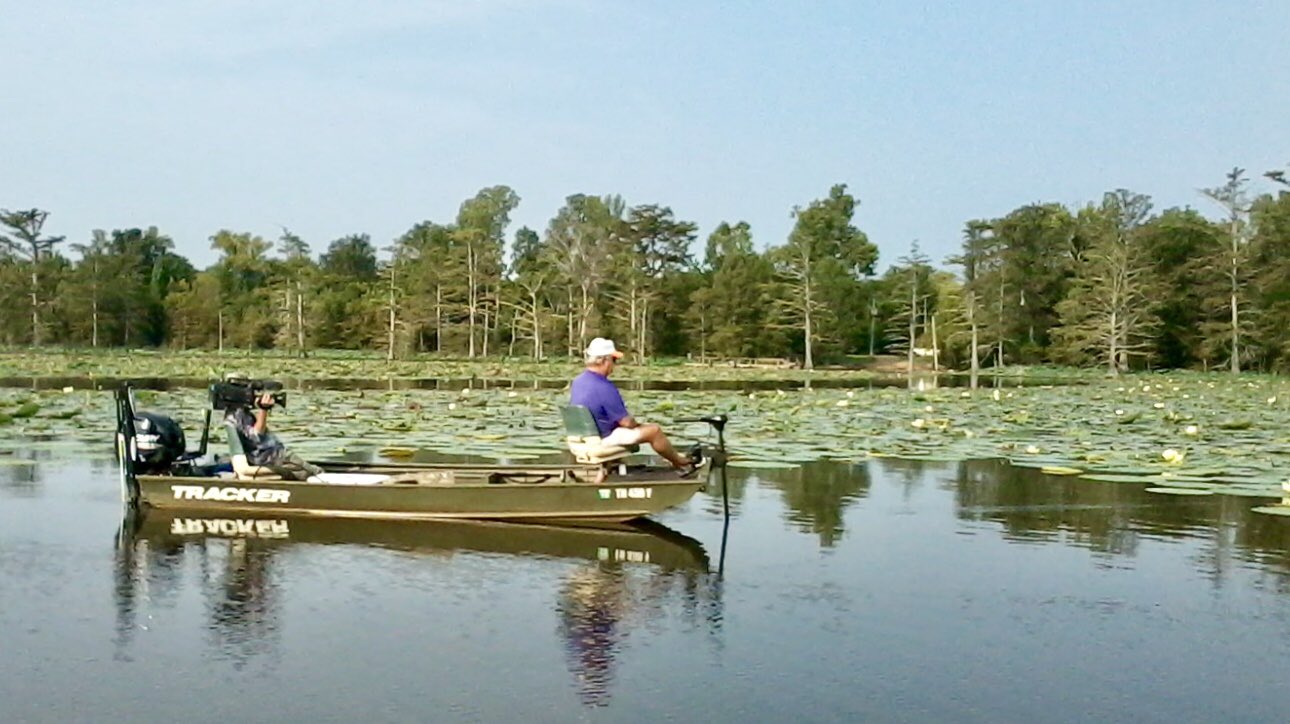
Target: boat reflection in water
[[628, 576]]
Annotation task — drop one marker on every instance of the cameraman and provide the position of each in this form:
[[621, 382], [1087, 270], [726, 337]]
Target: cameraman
[[262, 447]]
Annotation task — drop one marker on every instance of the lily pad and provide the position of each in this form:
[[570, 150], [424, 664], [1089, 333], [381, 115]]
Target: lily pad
[[1059, 470], [1101, 478], [1179, 491], [27, 409], [763, 464]]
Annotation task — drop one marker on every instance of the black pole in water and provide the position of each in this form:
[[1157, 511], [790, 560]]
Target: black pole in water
[[725, 489], [725, 522]]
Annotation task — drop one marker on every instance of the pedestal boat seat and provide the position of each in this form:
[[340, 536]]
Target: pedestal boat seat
[[584, 441], [242, 467]]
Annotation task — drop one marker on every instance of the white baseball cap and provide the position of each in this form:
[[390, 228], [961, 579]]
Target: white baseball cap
[[601, 347]]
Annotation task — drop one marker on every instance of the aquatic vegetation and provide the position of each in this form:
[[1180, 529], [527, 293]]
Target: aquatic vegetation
[[1171, 432]]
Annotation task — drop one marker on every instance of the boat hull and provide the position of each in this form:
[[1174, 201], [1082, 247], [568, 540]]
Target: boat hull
[[611, 501]]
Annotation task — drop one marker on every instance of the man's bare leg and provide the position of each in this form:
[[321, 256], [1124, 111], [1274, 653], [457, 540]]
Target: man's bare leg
[[653, 434]]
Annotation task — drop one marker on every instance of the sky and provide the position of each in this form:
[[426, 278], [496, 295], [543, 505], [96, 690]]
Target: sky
[[368, 117]]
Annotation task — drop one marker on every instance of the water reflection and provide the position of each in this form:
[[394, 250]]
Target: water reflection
[[817, 496], [1116, 519], [601, 604], [625, 577]]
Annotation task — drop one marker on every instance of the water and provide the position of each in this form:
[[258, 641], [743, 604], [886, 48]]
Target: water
[[881, 592]]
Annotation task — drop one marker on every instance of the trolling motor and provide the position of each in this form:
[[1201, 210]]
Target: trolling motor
[[718, 423]]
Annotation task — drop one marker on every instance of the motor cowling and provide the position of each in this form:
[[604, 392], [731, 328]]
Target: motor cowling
[[159, 442]]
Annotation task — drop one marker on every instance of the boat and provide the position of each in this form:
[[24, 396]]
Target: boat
[[601, 486]]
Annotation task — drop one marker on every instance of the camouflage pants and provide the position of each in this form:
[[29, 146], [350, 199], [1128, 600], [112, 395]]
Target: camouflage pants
[[293, 467]]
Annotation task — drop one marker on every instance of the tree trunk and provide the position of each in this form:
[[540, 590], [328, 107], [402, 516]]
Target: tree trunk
[[873, 320], [703, 334], [976, 362], [644, 333], [35, 307], [300, 320], [1236, 319], [537, 328], [220, 332], [470, 299], [583, 313], [438, 318], [389, 349], [998, 358], [913, 319], [1113, 359], [515, 331], [809, 362], [568, 316], [936, 348]]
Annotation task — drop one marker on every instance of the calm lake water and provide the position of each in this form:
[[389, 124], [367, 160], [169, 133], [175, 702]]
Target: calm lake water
[[876, 592]]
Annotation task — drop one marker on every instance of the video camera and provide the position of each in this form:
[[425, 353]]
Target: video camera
[[242, 392]]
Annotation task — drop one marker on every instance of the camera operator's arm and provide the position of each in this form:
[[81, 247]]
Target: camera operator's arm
[[262, 406]]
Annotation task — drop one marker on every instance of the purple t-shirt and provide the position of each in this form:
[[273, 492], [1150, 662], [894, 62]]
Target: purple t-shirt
[[595, 392]]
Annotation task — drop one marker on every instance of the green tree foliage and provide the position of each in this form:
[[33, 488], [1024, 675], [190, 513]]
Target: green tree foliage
[[581, 238], [650, 258], [1108, 312], [244, 317], [980, 262], [429, 280], [347, 310], [22, 239], [1270, 256], [1179, 243], [907, 304], [127, 277], [480, 244], [1233, 259], [527, 293], [1035, 242], [729, 313], [1107, 284], [823, 249]]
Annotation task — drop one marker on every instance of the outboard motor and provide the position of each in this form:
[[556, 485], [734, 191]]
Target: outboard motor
[[159, 442]]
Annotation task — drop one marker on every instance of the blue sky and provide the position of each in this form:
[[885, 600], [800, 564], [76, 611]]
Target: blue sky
[[345, 117]]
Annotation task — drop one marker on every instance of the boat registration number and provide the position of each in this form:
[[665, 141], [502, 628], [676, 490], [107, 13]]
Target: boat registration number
[[624, 493]]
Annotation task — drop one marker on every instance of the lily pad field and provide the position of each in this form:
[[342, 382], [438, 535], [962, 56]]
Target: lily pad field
[[350, 365], [1180, 434]]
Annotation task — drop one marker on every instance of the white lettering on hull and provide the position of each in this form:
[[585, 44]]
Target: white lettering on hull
[[625, 493], [231, 495]]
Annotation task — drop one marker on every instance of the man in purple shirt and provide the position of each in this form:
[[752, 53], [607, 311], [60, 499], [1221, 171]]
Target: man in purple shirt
[[593, 390]]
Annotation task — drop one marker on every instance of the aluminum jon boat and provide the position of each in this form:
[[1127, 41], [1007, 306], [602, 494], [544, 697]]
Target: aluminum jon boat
[[157, 471]]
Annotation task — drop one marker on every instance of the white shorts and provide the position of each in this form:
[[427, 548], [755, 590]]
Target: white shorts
[[623, 436]]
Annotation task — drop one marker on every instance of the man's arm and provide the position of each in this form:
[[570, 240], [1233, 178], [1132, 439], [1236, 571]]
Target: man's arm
[[618, 409], [262, 413]]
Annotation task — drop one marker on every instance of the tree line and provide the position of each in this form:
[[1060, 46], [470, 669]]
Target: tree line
[[1111, 283]]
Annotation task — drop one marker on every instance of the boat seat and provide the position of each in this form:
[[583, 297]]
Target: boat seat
[[242, 468], [583, 438]]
